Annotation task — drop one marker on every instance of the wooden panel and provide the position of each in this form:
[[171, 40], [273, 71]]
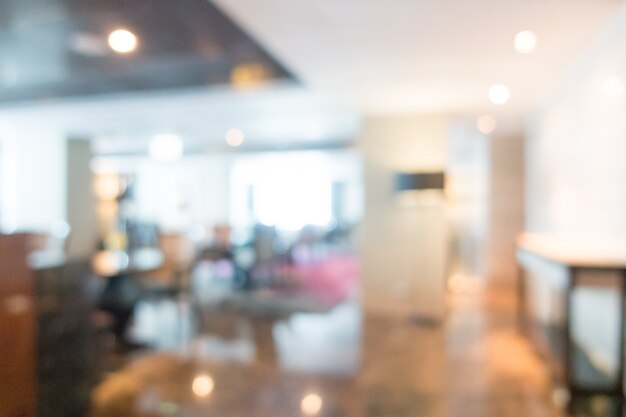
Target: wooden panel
[[17, 330]]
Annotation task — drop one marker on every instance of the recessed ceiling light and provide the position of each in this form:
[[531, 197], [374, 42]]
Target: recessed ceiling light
[[122, 41], [166, 147], [525, 42], [249, 74], [613, 86], [234, 137], [499, 94], [486, 124]]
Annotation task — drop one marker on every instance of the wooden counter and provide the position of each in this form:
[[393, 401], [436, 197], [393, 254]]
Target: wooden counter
[[573, 254]]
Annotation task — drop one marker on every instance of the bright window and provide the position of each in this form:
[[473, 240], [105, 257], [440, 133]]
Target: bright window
[[288, 191]]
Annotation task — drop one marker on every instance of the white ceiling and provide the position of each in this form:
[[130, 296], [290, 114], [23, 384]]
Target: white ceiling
[[423, 55]]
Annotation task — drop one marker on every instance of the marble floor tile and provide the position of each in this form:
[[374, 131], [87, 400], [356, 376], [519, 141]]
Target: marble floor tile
[[344, 362]]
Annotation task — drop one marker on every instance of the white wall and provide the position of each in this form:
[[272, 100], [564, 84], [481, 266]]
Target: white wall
[[402, 249], [575, 153], [33, 175], [576, 179]]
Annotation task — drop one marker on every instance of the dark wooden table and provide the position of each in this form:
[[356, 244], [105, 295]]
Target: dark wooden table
[[576, 261]]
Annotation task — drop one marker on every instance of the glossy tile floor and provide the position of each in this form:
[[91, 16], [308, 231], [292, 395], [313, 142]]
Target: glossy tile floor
[[217, 362]]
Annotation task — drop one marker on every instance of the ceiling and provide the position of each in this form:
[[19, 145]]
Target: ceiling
[[352, 57], [423, 55], [58, 48]]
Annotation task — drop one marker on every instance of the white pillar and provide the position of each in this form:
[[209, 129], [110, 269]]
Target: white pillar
[[402, 249]]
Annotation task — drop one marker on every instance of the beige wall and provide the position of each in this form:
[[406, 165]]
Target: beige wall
[[506, 207], [81, 202], [403, 249]]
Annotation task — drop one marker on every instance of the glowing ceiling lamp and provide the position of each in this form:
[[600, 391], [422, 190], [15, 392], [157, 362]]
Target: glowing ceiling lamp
[[499, 94], [123, 41], [525, 42]]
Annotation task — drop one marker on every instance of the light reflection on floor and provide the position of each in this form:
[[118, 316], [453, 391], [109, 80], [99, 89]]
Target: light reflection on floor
[[339, 363], [326, 342]]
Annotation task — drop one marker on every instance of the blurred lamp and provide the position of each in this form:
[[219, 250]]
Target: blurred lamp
[[499, 94], [106, 187], [486, 124], [234, 137]]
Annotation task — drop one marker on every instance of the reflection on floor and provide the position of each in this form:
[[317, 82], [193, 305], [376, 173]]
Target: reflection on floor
[[224, 362]]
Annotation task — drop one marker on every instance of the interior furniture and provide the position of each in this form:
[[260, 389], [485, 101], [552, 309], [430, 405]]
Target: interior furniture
[[68, 348], [49, 353], [18, 389], [122, 288], [572, 306], [178, 255]]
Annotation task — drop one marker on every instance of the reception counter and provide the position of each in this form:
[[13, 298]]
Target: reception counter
[[580, 255], [572, 307]]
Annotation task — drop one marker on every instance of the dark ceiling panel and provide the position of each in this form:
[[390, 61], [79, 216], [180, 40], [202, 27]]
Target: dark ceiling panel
[[57, 48]]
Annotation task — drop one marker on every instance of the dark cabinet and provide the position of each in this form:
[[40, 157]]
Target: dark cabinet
[[67, 365], [18, 391]]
